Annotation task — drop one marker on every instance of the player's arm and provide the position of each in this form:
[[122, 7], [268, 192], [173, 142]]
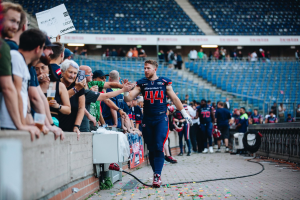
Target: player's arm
[[133, 93], [178, 104]]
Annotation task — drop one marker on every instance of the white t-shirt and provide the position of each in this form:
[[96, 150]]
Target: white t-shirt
[[193, 54], [129, 54], [253, 57], [193, 113], [19, 68]]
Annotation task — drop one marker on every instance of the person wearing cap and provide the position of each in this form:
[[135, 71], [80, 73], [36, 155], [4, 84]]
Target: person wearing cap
[[67, 54], [57, 58]]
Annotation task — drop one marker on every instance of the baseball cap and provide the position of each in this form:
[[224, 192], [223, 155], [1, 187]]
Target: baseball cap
[[48, 42], [99, 73], [68, 52]]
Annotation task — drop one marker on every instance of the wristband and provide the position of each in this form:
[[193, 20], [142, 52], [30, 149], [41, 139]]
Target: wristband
[[126, 94], [119, 109], [59, 107], [53, 124], [76, 91], [77, 126]]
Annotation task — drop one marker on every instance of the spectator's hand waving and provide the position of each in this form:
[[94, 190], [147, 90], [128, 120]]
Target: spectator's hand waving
[[76, 130]]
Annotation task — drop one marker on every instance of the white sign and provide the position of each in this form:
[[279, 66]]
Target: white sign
[[55, 21], [182, 40]]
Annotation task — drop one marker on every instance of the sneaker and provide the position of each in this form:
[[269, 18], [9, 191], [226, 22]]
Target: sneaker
[[205, 150], [211, 150], [181, 154], [227, 150], [215, 146], [156, 181], [188, 154], [170, 159], [218, 151]]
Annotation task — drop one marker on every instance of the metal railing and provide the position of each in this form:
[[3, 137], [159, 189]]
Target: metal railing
[[281, 141]]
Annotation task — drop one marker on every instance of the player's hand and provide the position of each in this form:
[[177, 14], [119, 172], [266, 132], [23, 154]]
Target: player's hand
[[127, 87], [187, 117]]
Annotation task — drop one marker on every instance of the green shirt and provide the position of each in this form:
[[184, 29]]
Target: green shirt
[[5, 59], [95, 107], [200, 54]]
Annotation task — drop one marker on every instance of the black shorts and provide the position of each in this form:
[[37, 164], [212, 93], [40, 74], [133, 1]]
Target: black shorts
[[224, 132]]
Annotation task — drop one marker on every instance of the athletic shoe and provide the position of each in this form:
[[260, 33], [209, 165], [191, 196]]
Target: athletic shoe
[[156, 181], [226, 150], [215, 146], [170, 159], [218, 151], [181, 154], [205, 150], [211, 150], [188, 154]]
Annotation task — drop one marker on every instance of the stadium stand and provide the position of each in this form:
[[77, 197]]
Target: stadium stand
[[122, 17], [256, 82], [228, 17]]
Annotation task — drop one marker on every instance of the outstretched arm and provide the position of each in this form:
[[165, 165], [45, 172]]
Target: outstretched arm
[[134, 93], [127, 87]]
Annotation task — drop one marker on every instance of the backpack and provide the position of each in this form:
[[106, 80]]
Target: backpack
[[172, 56]]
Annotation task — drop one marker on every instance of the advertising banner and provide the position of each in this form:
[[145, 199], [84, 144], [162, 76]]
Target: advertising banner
[[136, 150]]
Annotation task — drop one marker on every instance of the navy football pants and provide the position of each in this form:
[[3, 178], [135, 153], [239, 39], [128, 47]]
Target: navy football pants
[[186, 133], [206, 130], [155, 133]]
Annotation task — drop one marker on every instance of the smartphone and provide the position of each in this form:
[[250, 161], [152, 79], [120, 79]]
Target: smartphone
[[81, 75]]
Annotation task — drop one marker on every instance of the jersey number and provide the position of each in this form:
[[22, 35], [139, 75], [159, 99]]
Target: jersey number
[[161, 98], [206, 114]]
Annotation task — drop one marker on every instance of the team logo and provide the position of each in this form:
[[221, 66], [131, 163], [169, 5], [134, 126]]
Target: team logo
[[152, 82], [166, 118], [145, 84], [143, 125], [160, 83]]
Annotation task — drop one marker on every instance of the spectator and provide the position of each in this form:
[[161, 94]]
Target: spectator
[[297, 55], [129, 53], [210, 56], [142, 53], [274, 108], [67, 54], [254, 56], [193, 54], [298, 111], [110, 114], [209, 103], [222, 117], [178, 61], [9, 103], [240, 55], [137, 115], [140, 102], [217, 54], [194, 129], [171, 59], [75, 51], [13, 42], [222, 54], [61, 102], [135, 52], [227, 104], [271, 118], [290, 119], [71, 122], [200, 54], [243, 121], [114, 53], [255, 118], [187, 99], [161, 56], [121, 52], [92, 96], [107, 52], [281, 112], [57, 58], [268, 56], [84, 52]]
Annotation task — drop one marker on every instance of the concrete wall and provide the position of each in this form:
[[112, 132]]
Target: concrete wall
[[52, 168], [49, 165]]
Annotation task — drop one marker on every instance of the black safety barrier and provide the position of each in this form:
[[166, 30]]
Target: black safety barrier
[[280, 141]]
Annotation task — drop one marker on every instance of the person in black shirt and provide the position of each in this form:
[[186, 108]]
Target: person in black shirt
[[57, 58]]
